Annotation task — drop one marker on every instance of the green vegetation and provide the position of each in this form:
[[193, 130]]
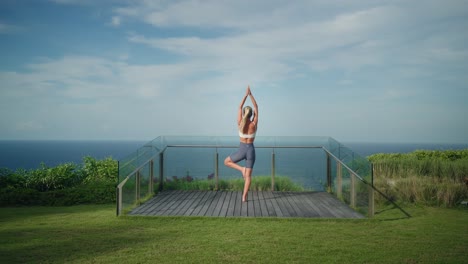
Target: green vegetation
[[92, 234], [259, 183], [434, 178], [66, 184]]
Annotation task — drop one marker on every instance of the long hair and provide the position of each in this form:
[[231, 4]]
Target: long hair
[[246, 114]]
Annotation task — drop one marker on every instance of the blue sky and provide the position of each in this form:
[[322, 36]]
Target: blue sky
[[372, 71]]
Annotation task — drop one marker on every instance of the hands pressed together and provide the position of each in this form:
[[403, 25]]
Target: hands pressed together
[[248, 92]]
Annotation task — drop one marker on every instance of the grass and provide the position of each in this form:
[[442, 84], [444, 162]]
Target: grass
[[258, 183], [92, 234]]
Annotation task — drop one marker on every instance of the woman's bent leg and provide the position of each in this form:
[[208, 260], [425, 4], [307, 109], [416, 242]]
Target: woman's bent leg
[[228, 162]]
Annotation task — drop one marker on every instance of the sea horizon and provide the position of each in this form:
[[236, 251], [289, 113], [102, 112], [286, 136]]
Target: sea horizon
[[29, 154]]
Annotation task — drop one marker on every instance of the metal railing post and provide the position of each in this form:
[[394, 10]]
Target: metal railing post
[[339, 181], [352, 198], [273, 170], [161, 171], [119, 201], [216, 170], [137, 187], [371, 209], [151, 187], [329, 173]]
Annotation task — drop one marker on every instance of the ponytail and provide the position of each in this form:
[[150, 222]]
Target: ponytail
[[247, 113]]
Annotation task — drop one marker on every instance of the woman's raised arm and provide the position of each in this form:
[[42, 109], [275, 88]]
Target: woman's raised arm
[[239, 113], [255, 119]]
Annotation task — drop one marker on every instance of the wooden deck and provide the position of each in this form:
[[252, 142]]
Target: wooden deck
[[260, 204]]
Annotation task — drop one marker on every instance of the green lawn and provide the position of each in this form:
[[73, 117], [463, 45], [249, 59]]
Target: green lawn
[[93, 234]]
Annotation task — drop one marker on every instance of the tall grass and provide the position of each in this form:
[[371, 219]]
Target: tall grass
[[259, 183], [435, 178]]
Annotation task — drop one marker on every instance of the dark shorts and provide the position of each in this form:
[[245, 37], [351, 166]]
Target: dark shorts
[[245, 152]]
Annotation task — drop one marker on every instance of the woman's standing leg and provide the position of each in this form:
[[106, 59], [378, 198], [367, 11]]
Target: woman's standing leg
[[247, 180]]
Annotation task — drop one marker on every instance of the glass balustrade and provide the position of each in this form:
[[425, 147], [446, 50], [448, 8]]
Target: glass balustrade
[[311, 163]]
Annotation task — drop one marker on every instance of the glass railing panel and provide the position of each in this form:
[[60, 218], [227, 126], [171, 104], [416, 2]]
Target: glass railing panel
[[129, 194], [362, 197], [145, 175], [333, 146], [136, 159], [345, 186], [186, 162], [127, 165], [305, 167]]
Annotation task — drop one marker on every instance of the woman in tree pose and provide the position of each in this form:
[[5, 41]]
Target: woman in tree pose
[[247, 120]]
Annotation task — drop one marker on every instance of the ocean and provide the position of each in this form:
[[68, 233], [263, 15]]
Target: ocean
[[29, 154]]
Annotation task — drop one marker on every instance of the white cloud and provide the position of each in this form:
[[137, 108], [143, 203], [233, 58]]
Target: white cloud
[[8, 28], [116, 20]]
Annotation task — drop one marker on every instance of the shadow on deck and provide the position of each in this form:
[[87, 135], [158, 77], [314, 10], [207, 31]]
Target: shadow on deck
[[260, 204]]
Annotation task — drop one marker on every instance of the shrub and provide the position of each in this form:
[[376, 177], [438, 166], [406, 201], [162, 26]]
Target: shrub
[[11, 180], [56, 178], [65, 184], [105, 170]]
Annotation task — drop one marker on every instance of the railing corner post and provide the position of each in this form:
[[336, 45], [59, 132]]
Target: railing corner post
[[329, 174], [119, 201]]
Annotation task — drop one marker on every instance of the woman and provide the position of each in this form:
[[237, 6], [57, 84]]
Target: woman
[[247, 130]]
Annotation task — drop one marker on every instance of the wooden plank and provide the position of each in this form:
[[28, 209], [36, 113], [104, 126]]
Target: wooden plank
[[238, 206], [314, 211], [176, 200], [243, 207], [224, 208], [143, 207], [281, 204], [208, 199], [301, 209], [284, 197], [216, 204], [185, 205], [276, 211], [158, 204], [148, 206], [250, 205], [232, 204], [346, 211], [164, 210], [178, 203], [293, 204], [336, 210], [263, 204], [197, 204], [323, 210], [183, 200], [256, 204]]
